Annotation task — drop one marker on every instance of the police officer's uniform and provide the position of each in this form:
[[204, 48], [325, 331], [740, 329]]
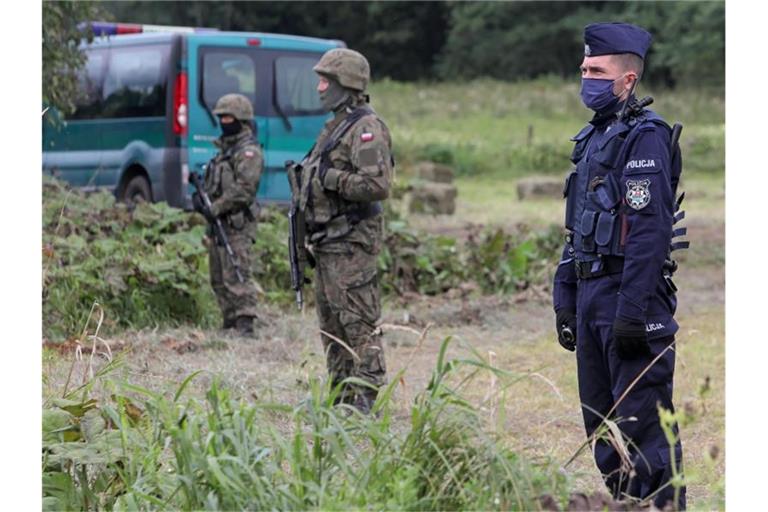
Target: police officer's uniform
[[620, 213]]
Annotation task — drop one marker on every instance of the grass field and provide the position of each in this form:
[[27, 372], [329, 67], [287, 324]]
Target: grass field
[[481, 128], [512, 129]]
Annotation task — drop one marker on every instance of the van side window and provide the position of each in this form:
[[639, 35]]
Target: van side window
[[227, 73], [88, 101], [136, 80], [297, 85]]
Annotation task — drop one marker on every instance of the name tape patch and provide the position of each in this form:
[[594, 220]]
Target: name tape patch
[[653, 327], [641, 164]]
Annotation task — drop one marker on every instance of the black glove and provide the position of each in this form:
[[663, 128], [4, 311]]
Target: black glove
[[199, 206], [566, 329], [197, 203], [631, 339]]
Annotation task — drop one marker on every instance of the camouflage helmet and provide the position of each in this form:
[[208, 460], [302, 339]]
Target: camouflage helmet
[[235, 105], [346, 66]]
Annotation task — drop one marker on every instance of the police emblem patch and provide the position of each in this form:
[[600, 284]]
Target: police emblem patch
[[587, 50], [638, 193]]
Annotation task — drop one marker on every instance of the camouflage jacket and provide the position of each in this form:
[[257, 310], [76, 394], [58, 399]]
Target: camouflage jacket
[[232, 177], [359, 173]]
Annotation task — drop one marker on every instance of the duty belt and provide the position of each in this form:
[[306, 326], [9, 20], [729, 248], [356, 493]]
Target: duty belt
[[363, 212], [601, 267]]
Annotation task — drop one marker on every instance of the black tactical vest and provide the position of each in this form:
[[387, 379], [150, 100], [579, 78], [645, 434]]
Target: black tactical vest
[[593, 190]]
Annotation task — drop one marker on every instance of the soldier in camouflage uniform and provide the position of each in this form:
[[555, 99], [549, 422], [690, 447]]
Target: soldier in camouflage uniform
[[341, 183], [231, 182]]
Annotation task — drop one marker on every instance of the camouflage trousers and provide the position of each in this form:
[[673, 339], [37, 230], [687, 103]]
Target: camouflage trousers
[[349, 308], [235, 298]]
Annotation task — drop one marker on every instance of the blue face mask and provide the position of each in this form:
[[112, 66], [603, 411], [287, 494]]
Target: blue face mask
[[597, 94]]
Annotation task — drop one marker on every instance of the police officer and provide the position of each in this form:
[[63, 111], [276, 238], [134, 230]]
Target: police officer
[[341, 184], [231, 182], [613, 299]]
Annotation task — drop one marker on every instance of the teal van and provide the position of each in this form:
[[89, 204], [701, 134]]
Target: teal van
[[143, 118]]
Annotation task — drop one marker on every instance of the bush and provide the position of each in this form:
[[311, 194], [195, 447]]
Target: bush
[[149, 267]]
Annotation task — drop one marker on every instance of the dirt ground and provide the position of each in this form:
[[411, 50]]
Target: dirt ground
[[539, 414]]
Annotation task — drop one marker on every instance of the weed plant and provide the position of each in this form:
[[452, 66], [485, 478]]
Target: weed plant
[[140, 449]]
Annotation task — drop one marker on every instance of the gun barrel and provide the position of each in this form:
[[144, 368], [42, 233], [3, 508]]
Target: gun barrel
[[644, 102], [677, 129], [297, 278]]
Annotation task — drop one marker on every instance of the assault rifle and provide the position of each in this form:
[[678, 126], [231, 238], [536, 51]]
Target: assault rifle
[[216, 226], [670, 266], [297, 253]]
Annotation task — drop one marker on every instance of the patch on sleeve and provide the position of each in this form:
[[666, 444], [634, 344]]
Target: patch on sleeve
[[368, 156], [249, 154], [638, 193], [366, 137]]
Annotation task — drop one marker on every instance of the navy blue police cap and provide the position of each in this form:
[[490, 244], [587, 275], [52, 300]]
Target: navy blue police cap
[[611, 38]]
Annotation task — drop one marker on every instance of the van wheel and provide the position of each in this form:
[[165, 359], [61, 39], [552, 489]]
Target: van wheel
[[136, 191]]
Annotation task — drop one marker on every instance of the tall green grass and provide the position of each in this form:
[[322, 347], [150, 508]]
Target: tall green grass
[[498, 129], [140, 449]]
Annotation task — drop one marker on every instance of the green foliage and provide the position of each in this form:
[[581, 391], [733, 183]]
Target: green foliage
[[504, 262], [415, 262], [494, 260], [61, 57], [671, 423], [450, 40], [149, 267], [272, 269], [144, 267], [689, 41], [146, 450], [506, 130], [400, 39], [521, 40], [511, 40]]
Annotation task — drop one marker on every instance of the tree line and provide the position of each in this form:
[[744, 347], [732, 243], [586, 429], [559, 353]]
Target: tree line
[[465, 40]]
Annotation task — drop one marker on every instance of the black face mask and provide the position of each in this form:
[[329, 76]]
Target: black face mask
[[232, 128]]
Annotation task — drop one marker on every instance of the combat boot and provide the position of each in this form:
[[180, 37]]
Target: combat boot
[[244, 325], [364, 401]]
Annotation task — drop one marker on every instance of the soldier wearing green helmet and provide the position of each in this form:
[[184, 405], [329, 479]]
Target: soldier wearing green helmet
[[236, 105], [231, 182], [338, 188]]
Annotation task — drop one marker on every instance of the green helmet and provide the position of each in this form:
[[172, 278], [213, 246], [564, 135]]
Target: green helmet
[[346, 66], [235, 105]]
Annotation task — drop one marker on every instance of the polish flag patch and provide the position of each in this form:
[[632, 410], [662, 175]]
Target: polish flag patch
[[249, 154], [366, 137]]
